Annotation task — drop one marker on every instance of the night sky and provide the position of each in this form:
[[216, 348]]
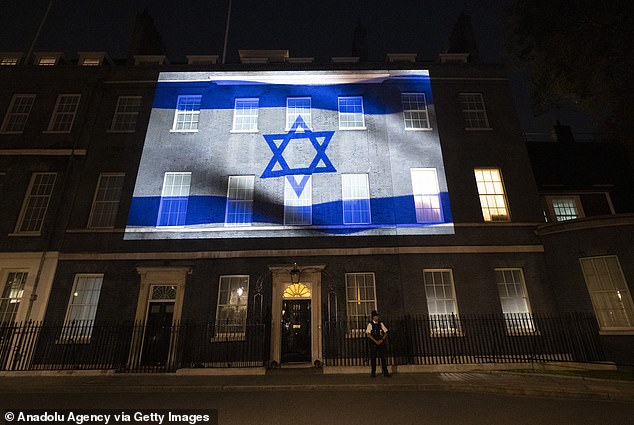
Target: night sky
[[319, 28]]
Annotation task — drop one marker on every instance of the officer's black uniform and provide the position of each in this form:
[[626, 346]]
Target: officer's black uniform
[[378, 333]]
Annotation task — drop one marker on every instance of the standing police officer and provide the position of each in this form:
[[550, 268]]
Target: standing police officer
[[377, 333]]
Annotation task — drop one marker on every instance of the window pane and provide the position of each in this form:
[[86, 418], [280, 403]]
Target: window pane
[[298, 107], [441, 300], [355, 198], [473, 111], [415, 110], [426, 195], [351, 112], [298, 208], [187, 113], [106, 201], [126, 113], [360, 298], [492, 196], [239, 210], [18, 113], [565, 209], [64, 113], [82, 307], [231, 310], [12, 295], [36, 202], [245, 115], [174, 199], [610, 295]]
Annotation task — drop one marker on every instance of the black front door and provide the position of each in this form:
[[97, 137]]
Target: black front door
[[296, 331], [158, 331]]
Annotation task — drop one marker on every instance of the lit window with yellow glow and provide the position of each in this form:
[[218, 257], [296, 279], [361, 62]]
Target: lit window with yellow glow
[[360, 298], [492, 197]]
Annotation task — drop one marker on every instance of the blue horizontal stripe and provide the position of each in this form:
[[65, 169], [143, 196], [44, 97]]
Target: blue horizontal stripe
[[210, 210], [324, 97]]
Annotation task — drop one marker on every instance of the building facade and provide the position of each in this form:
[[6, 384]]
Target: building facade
[[197, 214]]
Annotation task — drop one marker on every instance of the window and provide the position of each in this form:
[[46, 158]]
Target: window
[[82, 308], [351, 113], [492, 196], [514, 300], [126, 114], [245, 115], [298, 200], [231, 313], [360, 299], [187, 113], [36, 203], [566, 208], [426, 196], [609, 292], [47, 60], [9, 60], [298, 107], [11, 296], [441, 301], [473, 111], [64, 113], [356, 199], [415, 111], [239, 201], [105, 204], [174, 198], [18, 113]]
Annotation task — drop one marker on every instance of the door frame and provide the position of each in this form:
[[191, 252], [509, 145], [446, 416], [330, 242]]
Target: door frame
[[152, 276], [281, 277]]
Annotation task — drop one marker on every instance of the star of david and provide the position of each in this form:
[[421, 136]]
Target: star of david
[[279, 142]]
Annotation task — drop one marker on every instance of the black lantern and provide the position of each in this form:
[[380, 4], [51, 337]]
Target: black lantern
[[295, 274]]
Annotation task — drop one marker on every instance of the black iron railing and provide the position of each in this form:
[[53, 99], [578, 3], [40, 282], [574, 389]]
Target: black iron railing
[[129, 347], [445, 339], [417, 340]]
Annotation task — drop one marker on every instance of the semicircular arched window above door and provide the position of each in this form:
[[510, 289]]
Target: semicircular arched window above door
[[297, 290]]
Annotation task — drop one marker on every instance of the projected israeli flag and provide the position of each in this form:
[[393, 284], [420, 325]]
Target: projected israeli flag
[[287, 154]]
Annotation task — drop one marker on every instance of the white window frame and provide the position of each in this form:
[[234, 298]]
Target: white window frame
[[343, 116], [98, 203], [245, 115], [467, 113], [359, 319], [30, 197], [235, 331], [11, 113], [347, 196], [517, 322], [125, 116], [246, 202], [550, 200], [412, 114], [193, 112], [167, 191], [492, 193], [13, 297], [81, 334], [610, 285], [292, 114], [426, 201], [57, 114], [447, 323]]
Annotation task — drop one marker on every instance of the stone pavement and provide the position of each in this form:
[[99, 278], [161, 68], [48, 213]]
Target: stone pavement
[[508, 383]]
